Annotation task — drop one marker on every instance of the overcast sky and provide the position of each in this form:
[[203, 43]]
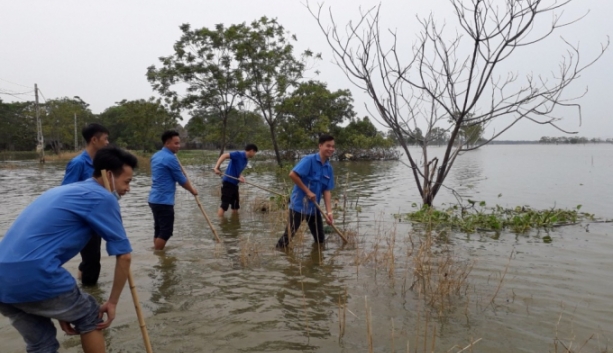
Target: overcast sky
[[99, 50]]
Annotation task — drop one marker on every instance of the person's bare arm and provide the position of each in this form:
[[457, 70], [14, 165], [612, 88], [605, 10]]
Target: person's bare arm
[[220, 160], [327, 201], [122, 268], [189, 187]]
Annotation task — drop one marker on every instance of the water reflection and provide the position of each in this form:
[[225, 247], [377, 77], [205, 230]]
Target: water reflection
[[165, 282], [309, 292]]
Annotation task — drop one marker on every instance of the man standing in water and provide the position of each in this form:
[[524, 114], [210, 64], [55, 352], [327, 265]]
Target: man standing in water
[[312, 177], [165, 173], [35, 288], [81, 168], [229, 188]]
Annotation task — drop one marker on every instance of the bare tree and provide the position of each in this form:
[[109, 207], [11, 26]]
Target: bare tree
[[458, 82]]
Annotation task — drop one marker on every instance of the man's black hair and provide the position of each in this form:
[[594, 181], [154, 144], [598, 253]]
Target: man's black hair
[[251, 147], [114, 159], [167, 135], [325, 138], [93, 130]]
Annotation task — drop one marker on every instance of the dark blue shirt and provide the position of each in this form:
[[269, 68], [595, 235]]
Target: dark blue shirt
[[238, 162], [79, 168], [51, 231], [165, 173], [317, 176]]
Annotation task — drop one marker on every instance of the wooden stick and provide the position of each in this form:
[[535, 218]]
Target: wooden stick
[[139, 313], [257, 186], [200, 206], [332, 224]]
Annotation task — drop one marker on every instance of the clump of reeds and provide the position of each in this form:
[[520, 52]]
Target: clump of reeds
[[438, 276]]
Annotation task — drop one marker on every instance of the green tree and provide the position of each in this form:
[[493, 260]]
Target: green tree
[[204, 67], [243, 127], [58, 122], [310, 111], [138, 124], [17, 126], [361, 134], [269, 69]]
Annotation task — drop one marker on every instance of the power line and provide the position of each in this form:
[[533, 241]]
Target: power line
[[17, 84]]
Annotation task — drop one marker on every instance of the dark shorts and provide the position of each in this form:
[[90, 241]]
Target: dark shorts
[[163, 220], [33, 319], [229, 196]]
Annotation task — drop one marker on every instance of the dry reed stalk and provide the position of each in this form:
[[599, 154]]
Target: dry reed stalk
[[368, 326], [506, 268]]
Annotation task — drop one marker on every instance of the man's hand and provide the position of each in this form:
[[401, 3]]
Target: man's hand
[[241, 179], [329, 218], [109, 309], [311, 196], [217, 171], [194, 191], [67, 328]]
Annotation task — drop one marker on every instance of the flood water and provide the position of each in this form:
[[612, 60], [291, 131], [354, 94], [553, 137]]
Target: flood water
[[243, 296]]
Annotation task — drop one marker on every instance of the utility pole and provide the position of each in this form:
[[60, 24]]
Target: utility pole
[[75, 132], [39, 133]]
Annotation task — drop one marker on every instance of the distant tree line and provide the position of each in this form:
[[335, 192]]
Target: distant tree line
[[573, 140]]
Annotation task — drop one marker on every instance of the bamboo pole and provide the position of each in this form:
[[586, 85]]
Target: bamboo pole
[[139, 313], [200, 206], [256, 185], [340, 234]]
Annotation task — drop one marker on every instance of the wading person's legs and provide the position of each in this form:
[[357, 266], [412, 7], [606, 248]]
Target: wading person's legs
[[33, 321], [316, 226], [295, 218], [89, 268], [164, 219]]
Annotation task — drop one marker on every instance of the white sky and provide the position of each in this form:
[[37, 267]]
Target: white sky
[[100, 50]]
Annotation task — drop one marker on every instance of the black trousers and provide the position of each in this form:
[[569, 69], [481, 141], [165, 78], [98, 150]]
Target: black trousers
[[314, 221], [90, 261]]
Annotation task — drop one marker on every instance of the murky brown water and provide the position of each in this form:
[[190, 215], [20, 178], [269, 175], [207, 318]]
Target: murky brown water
[[242, 296]]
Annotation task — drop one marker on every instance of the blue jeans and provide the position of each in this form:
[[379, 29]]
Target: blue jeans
[[33, 320]]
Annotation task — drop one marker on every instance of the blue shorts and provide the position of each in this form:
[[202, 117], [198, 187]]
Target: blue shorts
[[33, 319], [163, 220]]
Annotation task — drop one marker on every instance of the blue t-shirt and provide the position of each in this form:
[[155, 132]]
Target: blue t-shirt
[[79, 168], [317, 176], [165, 173], [238, 162], [51, 231]]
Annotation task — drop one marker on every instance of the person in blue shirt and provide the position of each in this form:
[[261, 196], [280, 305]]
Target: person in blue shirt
[[232, 176], [35, 288], [81, 168], [165, 174], [313, 177]]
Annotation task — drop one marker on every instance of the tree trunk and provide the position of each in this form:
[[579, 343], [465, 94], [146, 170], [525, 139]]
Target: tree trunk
[[273, 135], [224, 128]]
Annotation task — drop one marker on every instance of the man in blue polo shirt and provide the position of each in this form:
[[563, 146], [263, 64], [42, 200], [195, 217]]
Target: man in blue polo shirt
[[81, 168], [35, 288], [312, 177], [229, 187], [165, 173]]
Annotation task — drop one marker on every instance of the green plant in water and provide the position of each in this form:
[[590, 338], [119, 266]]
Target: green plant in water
[[478, 217]]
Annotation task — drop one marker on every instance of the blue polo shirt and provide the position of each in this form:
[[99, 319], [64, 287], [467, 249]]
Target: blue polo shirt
[[317, 176], [51, 231], [79, 168], [165, 173], [238, 162]]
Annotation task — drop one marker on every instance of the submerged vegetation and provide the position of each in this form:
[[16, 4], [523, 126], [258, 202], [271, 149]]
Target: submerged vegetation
[[478, 217]]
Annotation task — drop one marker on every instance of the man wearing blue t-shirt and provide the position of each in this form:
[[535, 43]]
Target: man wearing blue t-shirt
[[35, 288], [232, 176], [165, 174], [312, 177], [81, 168]]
